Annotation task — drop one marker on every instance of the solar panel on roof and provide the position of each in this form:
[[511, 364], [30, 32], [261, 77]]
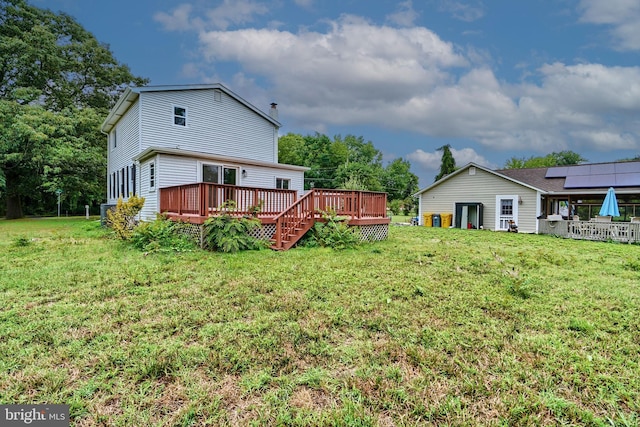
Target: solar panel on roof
[[587, 181], [579, 170], [628, 180], [556, 172], [605, 168], [628, 167]]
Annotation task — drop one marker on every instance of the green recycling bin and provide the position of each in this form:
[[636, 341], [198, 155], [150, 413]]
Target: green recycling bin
[[436, 220]]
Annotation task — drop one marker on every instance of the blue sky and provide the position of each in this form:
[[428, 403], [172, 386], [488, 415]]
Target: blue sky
[[494, 78]]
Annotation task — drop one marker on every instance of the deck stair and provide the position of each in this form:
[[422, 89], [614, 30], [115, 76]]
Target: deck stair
[[294, 222]]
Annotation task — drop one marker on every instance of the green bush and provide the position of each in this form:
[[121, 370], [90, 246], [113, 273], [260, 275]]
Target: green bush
[[162, 235], [334, 232], [230, 234], [21, 241], [122, 219]]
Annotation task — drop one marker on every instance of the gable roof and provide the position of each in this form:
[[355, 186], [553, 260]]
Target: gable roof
[[492, 172], [541, 180], [131, 94], [535, 177]]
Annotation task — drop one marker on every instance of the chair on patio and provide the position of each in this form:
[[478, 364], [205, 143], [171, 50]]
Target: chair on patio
[[606, 218], [635, 219]]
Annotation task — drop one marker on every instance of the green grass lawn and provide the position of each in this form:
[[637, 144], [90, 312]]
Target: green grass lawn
[[433, 326]]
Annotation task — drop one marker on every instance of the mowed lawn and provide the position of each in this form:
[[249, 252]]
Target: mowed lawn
[[431, 327]]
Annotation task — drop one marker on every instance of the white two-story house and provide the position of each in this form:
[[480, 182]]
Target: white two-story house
[[166, 136]]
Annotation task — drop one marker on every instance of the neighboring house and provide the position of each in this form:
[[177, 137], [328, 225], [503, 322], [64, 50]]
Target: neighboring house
[[166, 136], [479, 197]]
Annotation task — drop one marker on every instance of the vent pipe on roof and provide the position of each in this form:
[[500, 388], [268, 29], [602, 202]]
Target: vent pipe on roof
[[273, 112]]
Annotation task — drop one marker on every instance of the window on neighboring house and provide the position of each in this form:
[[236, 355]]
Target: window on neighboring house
[[179, 116], [283, 184], [114, 139], [506, 207], [127, 168], [152, 176], [114, 184]]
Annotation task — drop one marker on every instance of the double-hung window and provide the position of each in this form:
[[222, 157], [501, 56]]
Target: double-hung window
[[283, 183], [180, 116], [152, 176]]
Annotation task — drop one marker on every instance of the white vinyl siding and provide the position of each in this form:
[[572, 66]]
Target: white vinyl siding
[[120, 157], [225, 127], [151, 200], [185, 170], [483, 187]]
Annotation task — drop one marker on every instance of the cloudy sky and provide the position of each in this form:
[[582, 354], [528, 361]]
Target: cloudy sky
[[494, 79]]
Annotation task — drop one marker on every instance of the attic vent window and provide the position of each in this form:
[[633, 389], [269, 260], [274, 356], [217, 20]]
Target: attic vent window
[[217, 95], [472, 170], [179, 116]]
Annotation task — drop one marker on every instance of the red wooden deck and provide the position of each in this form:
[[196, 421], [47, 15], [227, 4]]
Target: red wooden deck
[[293, 216]]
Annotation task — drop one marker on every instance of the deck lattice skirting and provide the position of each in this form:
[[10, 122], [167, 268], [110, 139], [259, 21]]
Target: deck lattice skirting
[[372, 233], [366, 233], [624, 232]]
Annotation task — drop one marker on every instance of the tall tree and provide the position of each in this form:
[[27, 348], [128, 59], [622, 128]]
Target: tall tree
[[50, 63], [400, 184], [52, 55], [349, 163], [561, 158], [447, 164], [43, 151]]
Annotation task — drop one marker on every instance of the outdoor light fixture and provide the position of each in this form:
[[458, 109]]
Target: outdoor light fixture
[[244, 173]]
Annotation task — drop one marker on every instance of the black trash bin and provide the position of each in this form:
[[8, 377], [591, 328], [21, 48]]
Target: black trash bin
[[436, 220]]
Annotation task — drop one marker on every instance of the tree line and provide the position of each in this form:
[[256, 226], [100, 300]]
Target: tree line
[[57, 83], [349, 163]]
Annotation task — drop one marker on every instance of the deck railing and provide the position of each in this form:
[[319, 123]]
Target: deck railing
[[292, 216], [205, 199], [354, 204], [626, 232]]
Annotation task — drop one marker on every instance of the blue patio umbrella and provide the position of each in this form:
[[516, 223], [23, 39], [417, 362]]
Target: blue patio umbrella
[[610, 204]]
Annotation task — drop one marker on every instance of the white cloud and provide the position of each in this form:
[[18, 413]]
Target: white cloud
[[607, 140], [236, 12], [464, 11], [226, 14], [405, 16], [409, 79], [431, 160], [343, 74], [177, 20], [622, 16]]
